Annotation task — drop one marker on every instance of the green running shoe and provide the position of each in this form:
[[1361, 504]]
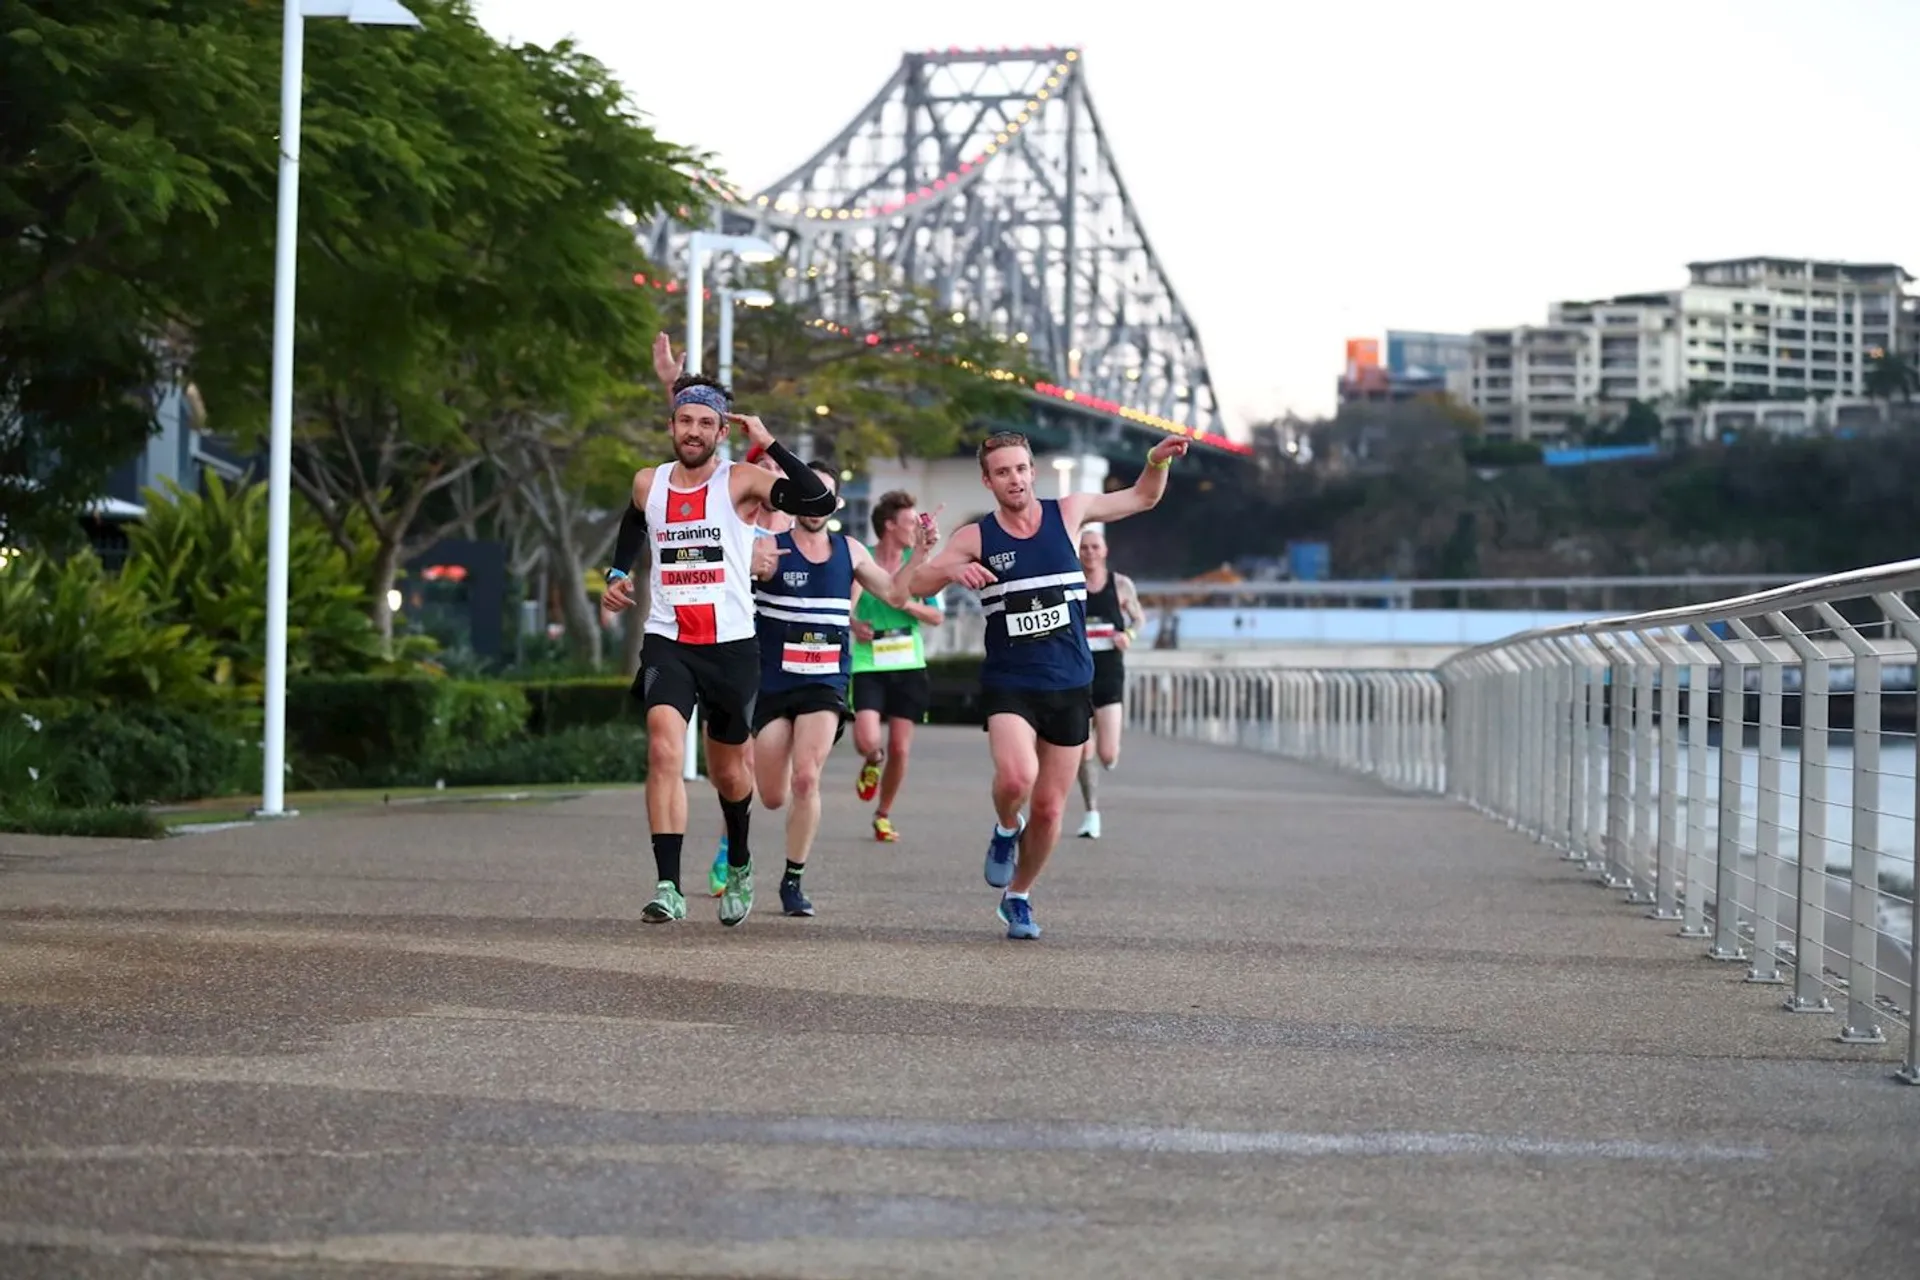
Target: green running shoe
[[717, 873], [667, 905], [737, 901]]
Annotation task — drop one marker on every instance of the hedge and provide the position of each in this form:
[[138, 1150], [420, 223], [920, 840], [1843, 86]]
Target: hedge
[[554, 706], [377, 730], [58, 754]]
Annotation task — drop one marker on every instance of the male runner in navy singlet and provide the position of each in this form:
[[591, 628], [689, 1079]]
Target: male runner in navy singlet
[[804, 601], [1035, 681]]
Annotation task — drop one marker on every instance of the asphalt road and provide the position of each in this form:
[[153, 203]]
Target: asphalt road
[[1281, 1023]]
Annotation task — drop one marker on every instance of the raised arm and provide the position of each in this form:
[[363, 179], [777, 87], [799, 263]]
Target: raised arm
[[799, 492], [1143, 494], [869, 576]]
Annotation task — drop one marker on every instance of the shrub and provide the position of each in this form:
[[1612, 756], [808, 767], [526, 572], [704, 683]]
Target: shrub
[[207, 561], [557, 705], [115, 822], [68, 755], [597, 753], [374, 730], [71, 630]]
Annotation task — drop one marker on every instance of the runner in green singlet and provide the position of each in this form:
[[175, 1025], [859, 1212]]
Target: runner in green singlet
[[891, 689]]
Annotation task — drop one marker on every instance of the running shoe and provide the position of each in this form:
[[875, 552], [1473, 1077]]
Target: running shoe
[[869, 781], [1001, 852], [883, 831], [667, 905], [717, 873], [1090, 827], [793, 899], [737, 901], [1018, 913]]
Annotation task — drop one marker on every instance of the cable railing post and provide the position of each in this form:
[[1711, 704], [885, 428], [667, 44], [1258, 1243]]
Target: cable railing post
[[1666, 857], [1810, 882], [1908, 624], [1863, 869], [1765, 960], [1727, 943]]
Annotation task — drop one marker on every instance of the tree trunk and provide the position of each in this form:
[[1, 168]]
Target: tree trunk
[[582, 619], [386, 570]]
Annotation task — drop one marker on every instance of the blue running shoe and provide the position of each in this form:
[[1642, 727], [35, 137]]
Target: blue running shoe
[[1018, 913], [717, 873], [1001, 852]]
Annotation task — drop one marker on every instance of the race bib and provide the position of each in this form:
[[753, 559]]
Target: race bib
[[693, 575], [1100, 635], [1040, 616], [810, 653], [892, 650]]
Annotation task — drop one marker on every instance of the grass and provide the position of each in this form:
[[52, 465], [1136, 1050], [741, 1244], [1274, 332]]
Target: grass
[[241, 808]]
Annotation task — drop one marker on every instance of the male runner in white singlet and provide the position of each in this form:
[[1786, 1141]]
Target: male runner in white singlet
[[700, 647]]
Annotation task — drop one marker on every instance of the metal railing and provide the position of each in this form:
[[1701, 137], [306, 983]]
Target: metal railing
[[1744, 769]]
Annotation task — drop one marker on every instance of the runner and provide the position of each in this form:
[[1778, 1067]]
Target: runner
[[890, 686], [700, 646], [1113, 615], [766, 523], [804, 602], [1035, 679]]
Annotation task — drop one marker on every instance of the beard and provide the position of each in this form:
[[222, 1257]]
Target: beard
[[694, 453], [813, 524]]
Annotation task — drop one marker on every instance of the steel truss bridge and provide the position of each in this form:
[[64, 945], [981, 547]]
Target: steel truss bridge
[[986, 178]]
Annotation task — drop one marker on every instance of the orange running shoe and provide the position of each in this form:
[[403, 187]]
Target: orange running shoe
[[883, 831], [868, 782]]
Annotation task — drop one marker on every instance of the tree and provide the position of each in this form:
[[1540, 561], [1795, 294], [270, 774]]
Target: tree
[[910, 387], [575, 484], [461, 271], [1890, 375], [126, 130]]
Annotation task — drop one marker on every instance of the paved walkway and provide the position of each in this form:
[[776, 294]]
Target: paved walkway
[[1282, 1023]]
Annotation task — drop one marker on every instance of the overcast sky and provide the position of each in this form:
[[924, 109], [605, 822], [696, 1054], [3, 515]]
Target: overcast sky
[[1340, 169]]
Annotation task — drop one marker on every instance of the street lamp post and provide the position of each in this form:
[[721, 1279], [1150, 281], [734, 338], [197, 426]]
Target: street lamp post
[[748, 249], [372, 13]]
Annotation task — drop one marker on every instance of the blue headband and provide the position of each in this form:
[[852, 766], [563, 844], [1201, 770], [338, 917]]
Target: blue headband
[[709, 396]]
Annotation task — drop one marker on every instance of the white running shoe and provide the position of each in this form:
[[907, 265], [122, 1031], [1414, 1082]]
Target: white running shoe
[[1090, 826]]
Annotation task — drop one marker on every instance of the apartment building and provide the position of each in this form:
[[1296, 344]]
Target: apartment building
[[1740, 329]]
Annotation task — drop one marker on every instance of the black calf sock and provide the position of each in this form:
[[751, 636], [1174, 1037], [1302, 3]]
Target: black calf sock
[[736, 813], [666, 856], [794, 869]]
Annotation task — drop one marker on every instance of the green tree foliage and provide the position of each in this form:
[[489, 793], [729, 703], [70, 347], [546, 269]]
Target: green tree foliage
[[461, 271], [125, 128], [206, 558], [1891, 376], [1762, 505], [911, 387]]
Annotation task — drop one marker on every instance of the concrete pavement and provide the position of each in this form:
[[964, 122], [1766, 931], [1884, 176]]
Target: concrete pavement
[[1282, 1022]]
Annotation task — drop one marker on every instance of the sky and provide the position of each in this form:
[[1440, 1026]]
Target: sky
[[1332, 170]]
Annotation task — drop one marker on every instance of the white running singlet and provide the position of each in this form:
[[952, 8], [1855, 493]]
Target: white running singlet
[[702, 561]]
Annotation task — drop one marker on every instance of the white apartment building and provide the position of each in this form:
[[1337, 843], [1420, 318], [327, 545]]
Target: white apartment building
[[1746, 328]]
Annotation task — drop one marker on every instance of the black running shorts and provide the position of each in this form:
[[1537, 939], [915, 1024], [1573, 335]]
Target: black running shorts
[[1109, 678], [1060, 717], [791, 704], [896, 695], [722, 678]]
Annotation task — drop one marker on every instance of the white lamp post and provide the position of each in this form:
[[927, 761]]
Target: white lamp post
[[376, 13], [748, 249]]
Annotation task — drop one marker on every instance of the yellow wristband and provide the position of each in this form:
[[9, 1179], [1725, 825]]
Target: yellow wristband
[[1158, 466]]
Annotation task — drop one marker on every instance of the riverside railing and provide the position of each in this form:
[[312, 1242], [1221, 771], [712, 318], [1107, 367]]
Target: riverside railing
[[1743, 769]]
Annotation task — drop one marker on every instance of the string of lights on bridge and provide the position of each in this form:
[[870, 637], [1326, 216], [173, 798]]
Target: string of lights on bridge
[[791, 204], [1068, 395]]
